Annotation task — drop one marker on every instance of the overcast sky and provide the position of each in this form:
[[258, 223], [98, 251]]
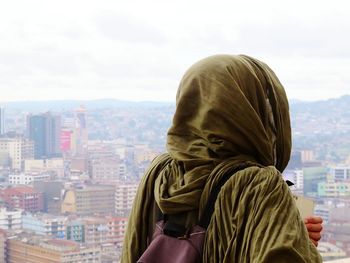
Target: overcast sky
[[139, 50]]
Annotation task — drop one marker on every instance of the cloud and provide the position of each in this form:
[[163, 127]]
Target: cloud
[[139, 49]]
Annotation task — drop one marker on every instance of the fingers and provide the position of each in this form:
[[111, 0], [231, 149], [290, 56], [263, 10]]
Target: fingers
[[313, 220], [314, 227], [315, 236]]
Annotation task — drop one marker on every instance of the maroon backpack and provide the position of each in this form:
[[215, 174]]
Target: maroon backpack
[[173, 243]]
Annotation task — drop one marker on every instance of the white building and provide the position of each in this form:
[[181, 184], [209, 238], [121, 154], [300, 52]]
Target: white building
[[124, 197], [340, 173], [42, 165], [296, 177], [27, 178], [10, 219], [18, 150], [333, 189], [45, 224]]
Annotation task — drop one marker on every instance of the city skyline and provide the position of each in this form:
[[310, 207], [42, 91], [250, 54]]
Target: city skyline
[[139, 51]]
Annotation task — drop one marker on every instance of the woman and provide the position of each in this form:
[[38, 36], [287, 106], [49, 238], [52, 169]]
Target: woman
[[230, 111]]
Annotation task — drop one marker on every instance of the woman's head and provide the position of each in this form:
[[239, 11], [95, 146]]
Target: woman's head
[[230, 107]]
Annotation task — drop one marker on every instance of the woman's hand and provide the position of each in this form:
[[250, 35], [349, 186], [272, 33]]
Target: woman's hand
[[314, 227]]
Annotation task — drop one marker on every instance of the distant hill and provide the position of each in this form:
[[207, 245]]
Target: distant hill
[[296, 106], [329, 106]]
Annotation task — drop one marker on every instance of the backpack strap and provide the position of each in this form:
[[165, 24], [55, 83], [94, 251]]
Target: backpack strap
[[209, 208]]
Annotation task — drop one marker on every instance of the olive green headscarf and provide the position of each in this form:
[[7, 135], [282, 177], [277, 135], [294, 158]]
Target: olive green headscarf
[[229, 110]]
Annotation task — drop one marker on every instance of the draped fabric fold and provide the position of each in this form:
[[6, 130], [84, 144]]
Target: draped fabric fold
[[230, 110]]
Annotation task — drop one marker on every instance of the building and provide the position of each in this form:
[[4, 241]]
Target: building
[[330, 251], [23, 197], [307, 156], [28, 178], [79, 164], [323, 211], [87, 200], [17, 150], [51, 194], [105, 169], [66, 140], [312, 177], [81, 132], [45, 224], [29, 248], [10, 219], [75, 231], [343, 260], [340, 173], [338, 234], [96, 231], [124, 197], [2, 121], [333, 189], [55, 165], [297, 177], [116, 229], [45, 131], [3, 246]]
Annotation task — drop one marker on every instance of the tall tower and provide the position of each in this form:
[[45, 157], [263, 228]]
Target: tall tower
[[81, 132], [45, 131], [2, 120]]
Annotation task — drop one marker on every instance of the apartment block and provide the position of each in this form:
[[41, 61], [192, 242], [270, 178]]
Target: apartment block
[[36, 249], [124, 197], [88, 200], [17, 150], [45, 224], [10, 219], [23, 197], [28, 178]]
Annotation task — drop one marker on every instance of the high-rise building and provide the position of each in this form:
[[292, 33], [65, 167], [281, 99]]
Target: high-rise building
[[81, 132], [45, 131], [66, 140], [17, 150], [2, 120]]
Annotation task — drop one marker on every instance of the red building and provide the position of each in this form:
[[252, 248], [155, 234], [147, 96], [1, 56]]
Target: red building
[[23, 197], [66, 140]]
